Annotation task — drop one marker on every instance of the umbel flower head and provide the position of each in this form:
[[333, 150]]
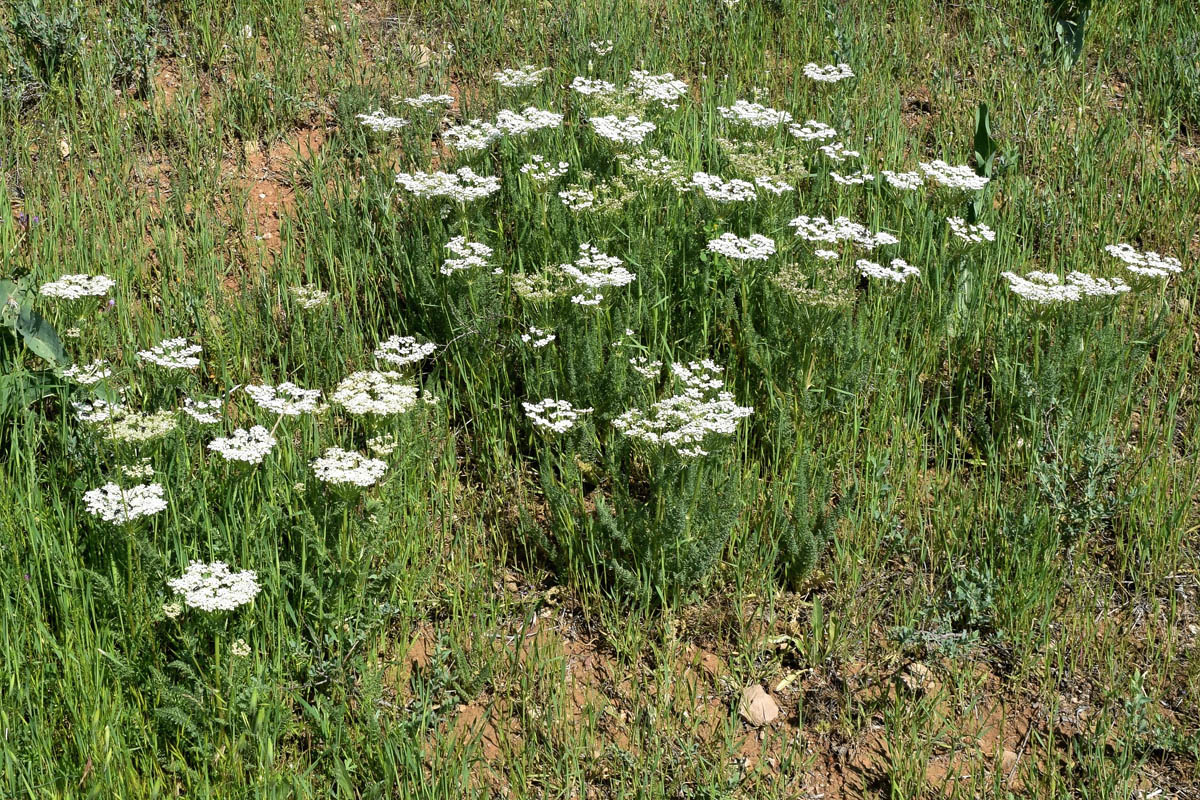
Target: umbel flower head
[[403, 350], [593, 270], [971, 233], [830, 73], [684, 421], [754, 114], [756, 248], [341, 467], [961, 177], [899, 272], [522, 78], [250, 446], [1148, 264], [553, 416], [379, 393], [461, 186], [113, 504], [88, 374], [1045, 288], [381, 122], [214, 587], [469, 254], [287, 399], [73, 287], [172, 354], [630, 130]]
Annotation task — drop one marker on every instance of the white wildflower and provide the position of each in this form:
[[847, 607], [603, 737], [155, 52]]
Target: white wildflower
[[239, 649], [522, 78], [594, 270], [380, 122], [462, 186], [589, 87], [340, 467], [98, 410], [140, 471], [113, 504], [839, 152], [172, 354], [826, 255], [971, 233], [428, 101], [383, 445], [830, 73], [404, 350], [812, 131], [250, 446], [577, 198], [310, 297], [906, 181], [172, 609], [88, 374], [961, 177], [630, 130], [537, 337], [1148, 264], [602, 47], [73, 287], [531, 119], [380, 393], [543, 171], [819, 229], [136, 428], [206, 412], [214, 587], [720, 191], [663, 88], [286, 399], [853, 179], [899, 272], [472, 136], [754, 114], [554, 416], [645, 367], [685, 420], [470, 254], [755, 248]]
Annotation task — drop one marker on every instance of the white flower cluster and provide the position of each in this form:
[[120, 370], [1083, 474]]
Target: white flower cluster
[[462, 186], [961, 177], [654, 167], [754, 114], [543, 171], [427, 101], [589, 86], [250, 446], [906, 181], [755, 248], [1046, 287], [522, 78], [73, 287], [472, 136], [537, 337], [630, 130], [645, 367], [819, 229], [97, 411], [88, 374], [310, 297], [773, 185], [663, 88], [469, 254], [339, 467], [577, 198], [853, 179], [602, 47], [721, 191], [140, 471], [531, 119], [1149, 264], [206, 412], [837, 151], [113, 504], [594, 270], [899, 272], [971, 233], [555, 416], [683, 421], [830, 73], [380, 393], [137, 428], [172, 354], [286, 399], [383, 445], [404, 350], [214, 587], [380, 122], [812, 131]]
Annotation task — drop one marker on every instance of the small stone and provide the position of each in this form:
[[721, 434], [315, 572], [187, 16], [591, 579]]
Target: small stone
[[757, 707]]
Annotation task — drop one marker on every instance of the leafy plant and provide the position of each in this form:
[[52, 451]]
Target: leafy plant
[[1068, 18]]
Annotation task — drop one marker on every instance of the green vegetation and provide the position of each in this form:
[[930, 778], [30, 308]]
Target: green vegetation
[[611, 468]]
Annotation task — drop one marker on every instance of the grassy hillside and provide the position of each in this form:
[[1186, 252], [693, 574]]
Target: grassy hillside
[[739, 400]]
